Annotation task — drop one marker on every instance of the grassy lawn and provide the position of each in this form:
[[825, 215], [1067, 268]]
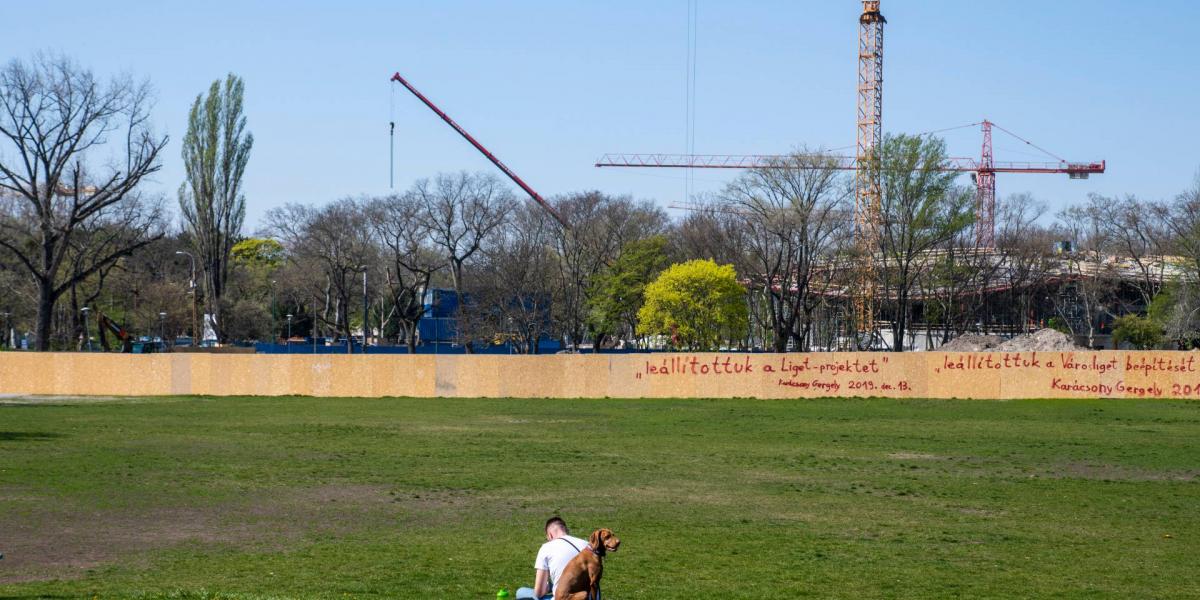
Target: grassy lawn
[[420, 498]]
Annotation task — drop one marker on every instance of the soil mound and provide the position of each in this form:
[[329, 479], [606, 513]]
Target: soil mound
[[971, 342], [1043, 340]]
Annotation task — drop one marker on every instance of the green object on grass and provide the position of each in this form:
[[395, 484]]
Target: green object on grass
[[503, 593]]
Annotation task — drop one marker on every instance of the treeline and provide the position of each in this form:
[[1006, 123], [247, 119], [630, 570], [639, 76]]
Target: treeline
[[77, 230]]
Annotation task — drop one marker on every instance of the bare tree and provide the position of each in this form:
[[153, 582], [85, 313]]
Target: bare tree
[[713, 231], [332, 246], [952, 283], [1092, 282], [215, 151], [131, 224], [462, 212], [56, 123], [1134, 233], [793, 212], [1180, 222], [517, 278], [600, 226], [413, 260], [1025, 247]]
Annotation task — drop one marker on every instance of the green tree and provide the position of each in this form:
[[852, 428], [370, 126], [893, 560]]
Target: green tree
[[215, 151], [1059, 324], [618, 292], [698, 304], [1143, 333], [258, 253], [921, 210]]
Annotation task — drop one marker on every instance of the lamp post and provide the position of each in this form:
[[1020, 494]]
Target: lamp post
[[192, 287], [162, 330], [288, 341], [274, 324], [366, 312], [87, 336], [5, 336]]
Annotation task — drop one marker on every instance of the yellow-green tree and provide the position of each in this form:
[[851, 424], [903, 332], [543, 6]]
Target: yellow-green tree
[[697, 305]]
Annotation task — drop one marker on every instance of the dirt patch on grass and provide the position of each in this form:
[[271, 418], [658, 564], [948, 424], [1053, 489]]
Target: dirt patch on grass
[[10, 399], [1102, 472], [43, 543], [981, 512], [914, 456]]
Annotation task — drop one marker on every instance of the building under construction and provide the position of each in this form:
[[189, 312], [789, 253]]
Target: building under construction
[[992, 292], [857, 323]]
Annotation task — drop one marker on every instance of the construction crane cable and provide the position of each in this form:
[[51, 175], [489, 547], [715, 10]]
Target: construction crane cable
[[392, 136], [975, 124], [690, 96], [1043, 150]]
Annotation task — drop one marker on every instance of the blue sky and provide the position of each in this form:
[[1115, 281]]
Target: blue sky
[[550, 86]]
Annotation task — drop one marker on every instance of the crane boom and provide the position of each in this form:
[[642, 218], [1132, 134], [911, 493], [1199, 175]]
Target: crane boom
[[492, 157], [845, 163]]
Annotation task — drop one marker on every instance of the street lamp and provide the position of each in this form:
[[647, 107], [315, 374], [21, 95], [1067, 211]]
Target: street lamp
[[162, 330], [274, 324], [288, 341], [87, 336], [192, 287]]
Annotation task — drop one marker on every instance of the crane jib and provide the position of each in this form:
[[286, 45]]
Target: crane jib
[[478, 146]]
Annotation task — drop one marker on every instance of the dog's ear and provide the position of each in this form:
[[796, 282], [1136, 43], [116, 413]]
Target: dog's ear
[[595, 540]]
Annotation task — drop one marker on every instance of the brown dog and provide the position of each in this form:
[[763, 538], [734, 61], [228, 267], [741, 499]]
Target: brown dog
[[580, 579]]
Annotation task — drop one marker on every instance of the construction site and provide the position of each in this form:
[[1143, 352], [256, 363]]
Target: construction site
[[978, 286], [798, 369], [836, 252]]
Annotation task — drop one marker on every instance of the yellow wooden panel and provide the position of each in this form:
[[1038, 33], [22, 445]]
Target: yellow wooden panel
[[660, 375]]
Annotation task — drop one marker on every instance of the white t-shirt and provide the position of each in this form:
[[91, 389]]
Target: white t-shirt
[[554, 555]]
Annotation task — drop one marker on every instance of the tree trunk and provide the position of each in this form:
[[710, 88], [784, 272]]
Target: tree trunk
[[410, 333], [900, 326], [45, 315]]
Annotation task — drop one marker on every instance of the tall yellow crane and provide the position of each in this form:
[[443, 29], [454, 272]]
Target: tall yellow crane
[[868, 203], [868, 195]]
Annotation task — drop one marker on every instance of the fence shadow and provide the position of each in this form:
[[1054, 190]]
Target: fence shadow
[[28, 436]]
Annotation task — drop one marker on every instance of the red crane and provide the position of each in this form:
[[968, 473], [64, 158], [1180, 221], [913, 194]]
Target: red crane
[[984, 168], [492, 157]]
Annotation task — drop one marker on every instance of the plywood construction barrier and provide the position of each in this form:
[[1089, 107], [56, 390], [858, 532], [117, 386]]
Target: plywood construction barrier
[[984, 375]]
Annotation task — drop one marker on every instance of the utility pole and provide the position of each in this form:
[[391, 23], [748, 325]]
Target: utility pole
[[86, 335], [196, 335], [6, 337], [366, 312], [274, 325]]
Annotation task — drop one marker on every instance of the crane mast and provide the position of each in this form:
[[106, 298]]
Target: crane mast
[[868, 195], [867, 177]]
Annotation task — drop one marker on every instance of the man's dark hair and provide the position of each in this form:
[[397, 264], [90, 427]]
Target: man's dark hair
[[555, 521]]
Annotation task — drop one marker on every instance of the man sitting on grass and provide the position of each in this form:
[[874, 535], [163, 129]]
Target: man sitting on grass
[[552, 558]]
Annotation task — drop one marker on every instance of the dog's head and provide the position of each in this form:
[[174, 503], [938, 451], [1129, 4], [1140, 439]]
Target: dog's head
[[603, 541]]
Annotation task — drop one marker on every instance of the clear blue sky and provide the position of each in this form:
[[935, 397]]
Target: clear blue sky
[[550, 86]]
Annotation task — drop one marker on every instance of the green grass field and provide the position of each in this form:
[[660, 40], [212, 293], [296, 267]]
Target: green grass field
[[421, 498]]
